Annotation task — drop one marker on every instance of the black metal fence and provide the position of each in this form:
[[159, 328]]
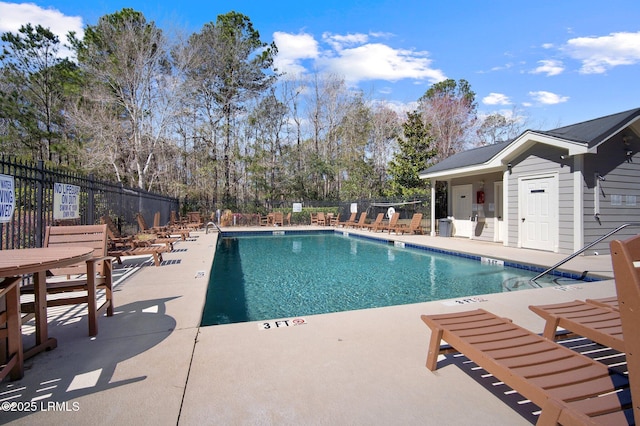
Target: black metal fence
[[34, 189]]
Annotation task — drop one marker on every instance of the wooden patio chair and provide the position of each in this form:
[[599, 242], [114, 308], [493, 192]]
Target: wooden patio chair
[[287, 219], [600, 324], [352, 219], [278, 219], [12, 358], [569, 387], [414, 227], [375, 225], [86, 277], [314, 218], [334, 219], [321, 219]]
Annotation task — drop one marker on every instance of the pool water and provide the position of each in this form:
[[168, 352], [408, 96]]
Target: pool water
[[257, 278]]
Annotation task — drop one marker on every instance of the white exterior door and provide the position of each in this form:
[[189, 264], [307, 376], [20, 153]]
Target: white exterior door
[[462, 204], [539, 213]]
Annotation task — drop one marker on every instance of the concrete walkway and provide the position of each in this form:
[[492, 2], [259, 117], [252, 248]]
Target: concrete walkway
[[152, 364]]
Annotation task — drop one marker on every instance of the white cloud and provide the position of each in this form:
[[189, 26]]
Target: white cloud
[[375, 61], [548, 98], [354, 57], [292, 49], [15, 15], [496, 99], [599, 54], [338, 42], [549, 67]]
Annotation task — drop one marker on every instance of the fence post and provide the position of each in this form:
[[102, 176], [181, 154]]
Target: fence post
[[90, 200], [39, 203]]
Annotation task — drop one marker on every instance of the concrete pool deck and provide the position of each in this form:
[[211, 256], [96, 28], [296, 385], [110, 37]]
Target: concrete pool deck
[[152, 364]]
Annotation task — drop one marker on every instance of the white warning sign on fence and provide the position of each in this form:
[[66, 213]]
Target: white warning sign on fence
[[66, 201], [7, 198]]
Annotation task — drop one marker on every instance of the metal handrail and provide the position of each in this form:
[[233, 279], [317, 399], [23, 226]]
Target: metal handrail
[[585, 248], [206, 227]]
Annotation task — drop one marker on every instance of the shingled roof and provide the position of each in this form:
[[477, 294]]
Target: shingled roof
[[589, 133]]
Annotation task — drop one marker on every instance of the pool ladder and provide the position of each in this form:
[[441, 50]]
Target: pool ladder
[[533, 281]]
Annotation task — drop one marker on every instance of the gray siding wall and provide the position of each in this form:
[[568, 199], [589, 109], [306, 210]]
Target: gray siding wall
[[539, 160], [617, 192]]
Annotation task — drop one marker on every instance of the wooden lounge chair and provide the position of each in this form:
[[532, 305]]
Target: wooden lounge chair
[[569, 387], [393, 222], [85, 277], [361, 222], [314, 218], [352, 219], [606, 302], [333, 220], [375, 225], [194, 221], [600, 324], [413, 227], [162, 234], [287, 219], [170, 230], [154, 251]]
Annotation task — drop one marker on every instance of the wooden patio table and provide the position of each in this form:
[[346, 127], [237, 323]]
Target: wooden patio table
[[37, 261]]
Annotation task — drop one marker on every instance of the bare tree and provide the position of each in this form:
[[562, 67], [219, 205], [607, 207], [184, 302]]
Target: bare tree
[[449, 109], [129, 96]]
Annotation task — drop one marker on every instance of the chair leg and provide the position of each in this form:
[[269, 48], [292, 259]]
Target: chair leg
[[434, 349], [92, 303], [109, 287], [14, 364]]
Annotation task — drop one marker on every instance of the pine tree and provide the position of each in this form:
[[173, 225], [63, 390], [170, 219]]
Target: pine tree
[[413, 155]]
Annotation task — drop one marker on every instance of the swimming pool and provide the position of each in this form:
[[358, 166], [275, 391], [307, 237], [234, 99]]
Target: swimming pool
[[264, 277]]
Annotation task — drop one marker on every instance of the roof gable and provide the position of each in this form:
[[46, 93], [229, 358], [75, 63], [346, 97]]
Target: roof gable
[[577, 138], [593, 132]]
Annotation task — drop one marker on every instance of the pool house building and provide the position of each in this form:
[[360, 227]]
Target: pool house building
[[554, 190]]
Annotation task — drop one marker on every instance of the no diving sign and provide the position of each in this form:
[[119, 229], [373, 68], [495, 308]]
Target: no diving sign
[[7, 198]]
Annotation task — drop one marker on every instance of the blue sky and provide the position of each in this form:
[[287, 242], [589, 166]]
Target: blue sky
[[558, 62]]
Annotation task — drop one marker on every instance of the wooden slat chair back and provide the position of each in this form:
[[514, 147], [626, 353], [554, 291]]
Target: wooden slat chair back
[[278, 219], [321, 220], [142, 224], [625, 256], [84, 277], [416, 224], [352, 219], [376, 223], [361, 222], [94, 236]]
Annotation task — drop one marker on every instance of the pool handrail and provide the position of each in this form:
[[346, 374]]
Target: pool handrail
[[206, 227], [582, 250]]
